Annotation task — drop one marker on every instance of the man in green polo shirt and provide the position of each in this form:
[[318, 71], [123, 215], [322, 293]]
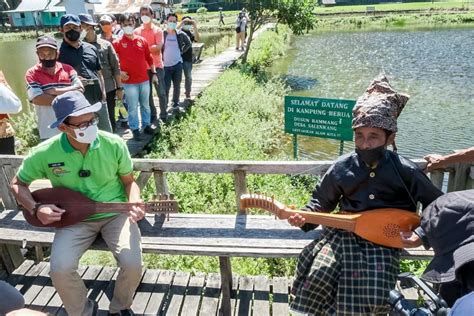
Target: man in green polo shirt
[[98, 165]]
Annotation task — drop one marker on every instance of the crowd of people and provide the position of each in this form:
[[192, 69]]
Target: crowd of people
[[125, 62]]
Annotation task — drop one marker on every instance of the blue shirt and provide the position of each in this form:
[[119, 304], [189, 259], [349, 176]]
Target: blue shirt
[[172, 53]]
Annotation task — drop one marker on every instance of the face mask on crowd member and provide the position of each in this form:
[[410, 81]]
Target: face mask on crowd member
[[71, 27], [145, 19], [171, 22], [106, 24], [128, 26], [47, 51]]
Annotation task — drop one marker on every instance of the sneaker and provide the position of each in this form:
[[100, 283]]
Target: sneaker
[[136, 135], [150, 130]]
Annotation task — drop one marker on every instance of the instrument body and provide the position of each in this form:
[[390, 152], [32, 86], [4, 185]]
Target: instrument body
[[78, 207], [380, 226]]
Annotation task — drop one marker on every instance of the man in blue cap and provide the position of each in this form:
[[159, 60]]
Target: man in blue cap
[[84, 58], [98, 165]]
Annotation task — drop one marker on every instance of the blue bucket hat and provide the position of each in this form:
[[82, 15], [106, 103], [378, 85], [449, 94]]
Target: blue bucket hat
[[72, 103]]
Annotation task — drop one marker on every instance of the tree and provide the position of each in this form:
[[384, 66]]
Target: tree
[[297, 14]]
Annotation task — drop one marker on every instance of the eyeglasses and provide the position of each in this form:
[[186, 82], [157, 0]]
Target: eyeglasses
[[104, 23], [84, 125]]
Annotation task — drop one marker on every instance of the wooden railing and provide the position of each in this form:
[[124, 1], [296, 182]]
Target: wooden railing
[[453, 178]]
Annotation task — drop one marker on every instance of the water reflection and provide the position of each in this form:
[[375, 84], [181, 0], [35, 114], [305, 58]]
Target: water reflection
[[436, 67]]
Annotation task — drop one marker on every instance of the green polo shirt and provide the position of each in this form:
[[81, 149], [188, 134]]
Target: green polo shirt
[[107, 159]]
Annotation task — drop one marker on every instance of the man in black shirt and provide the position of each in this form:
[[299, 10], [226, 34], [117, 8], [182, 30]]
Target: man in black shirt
[[340, 273], [84, 58], [188, 26]]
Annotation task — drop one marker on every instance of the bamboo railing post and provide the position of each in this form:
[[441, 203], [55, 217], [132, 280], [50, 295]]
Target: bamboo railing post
[[240, 185], [160, 182], [437, 177]]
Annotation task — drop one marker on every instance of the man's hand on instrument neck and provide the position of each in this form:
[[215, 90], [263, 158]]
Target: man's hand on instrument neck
[[137, 212], [296, 220], [49, 213], [410, 240]]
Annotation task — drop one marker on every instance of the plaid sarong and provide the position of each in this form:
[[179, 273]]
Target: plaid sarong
[[343, 274]]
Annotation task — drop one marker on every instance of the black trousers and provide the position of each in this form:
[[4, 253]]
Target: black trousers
[[7, 146], [111, 107]]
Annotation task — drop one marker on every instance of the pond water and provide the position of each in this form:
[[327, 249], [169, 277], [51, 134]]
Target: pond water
[[435, 67]]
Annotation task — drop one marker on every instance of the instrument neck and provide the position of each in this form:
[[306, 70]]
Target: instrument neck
[[120, 207], [341, 221]]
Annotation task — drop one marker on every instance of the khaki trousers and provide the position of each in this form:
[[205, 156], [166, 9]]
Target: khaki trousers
[[70, 243]]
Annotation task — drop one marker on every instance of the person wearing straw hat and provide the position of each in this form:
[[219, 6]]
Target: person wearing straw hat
[[340, 273], [98, 165]]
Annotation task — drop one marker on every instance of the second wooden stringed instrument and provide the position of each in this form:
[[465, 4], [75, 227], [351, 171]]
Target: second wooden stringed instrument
[[78, 207], [380, 226]]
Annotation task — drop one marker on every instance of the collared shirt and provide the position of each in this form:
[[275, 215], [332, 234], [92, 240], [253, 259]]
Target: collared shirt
[[109, 61], [37, 81], [84, 59], [107, 159], [135, 58], [153, 36], [355, 187], [172, 52]]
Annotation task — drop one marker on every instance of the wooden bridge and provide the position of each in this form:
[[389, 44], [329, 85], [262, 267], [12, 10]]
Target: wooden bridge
[[225, 236]]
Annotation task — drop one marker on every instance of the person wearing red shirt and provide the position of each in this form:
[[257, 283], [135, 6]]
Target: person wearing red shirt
[[135, 58]]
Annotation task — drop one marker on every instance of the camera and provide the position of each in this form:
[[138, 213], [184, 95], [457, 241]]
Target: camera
[[84, 173], [435, 306]]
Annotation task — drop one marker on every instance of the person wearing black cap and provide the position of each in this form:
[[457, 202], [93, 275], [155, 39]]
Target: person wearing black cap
[[46, 80], [448, 224], [84, 58], [110, 64], [98, 165], [340, 273]]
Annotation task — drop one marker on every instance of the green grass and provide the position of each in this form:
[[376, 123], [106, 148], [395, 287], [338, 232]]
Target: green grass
[[445, 5], [394, 21]]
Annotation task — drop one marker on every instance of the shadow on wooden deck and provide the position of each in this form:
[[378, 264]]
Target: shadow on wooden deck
[[161, 292]]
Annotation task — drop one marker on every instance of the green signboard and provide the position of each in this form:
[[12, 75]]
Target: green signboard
[[328, 118]]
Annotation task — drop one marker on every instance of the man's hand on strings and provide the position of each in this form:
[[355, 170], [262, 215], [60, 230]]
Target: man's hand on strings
[[49, 213]]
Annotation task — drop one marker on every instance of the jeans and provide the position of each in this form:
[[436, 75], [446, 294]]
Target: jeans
[[161, 91], [175, 74], [188, 79], [138, 93]]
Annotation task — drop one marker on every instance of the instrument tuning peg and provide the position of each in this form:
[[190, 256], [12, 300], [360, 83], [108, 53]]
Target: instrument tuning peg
[[292, 207]]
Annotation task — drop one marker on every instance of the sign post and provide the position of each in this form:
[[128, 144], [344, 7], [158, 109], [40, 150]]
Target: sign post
[[326, 118]]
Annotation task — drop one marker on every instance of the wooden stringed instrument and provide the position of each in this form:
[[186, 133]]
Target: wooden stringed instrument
[[380, 226], [78, 207]]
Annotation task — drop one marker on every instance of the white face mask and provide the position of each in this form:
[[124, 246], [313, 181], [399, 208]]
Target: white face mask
[[187, 27], [128, 30], [88, 135], [145, 19], [83, 35]]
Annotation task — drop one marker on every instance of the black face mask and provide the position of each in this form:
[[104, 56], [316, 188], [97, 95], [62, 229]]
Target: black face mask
[[73, 35], [371, 156], [48, 63]]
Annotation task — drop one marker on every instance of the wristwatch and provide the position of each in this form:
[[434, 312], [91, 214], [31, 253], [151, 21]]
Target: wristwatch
[[119, 88], [35, 208]]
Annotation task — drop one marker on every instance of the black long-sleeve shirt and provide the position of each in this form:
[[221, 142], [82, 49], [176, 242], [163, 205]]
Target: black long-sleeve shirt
[[355, 187]]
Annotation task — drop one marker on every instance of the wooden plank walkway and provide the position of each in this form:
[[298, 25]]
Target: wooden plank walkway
[[161, 292], [204, 73]]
